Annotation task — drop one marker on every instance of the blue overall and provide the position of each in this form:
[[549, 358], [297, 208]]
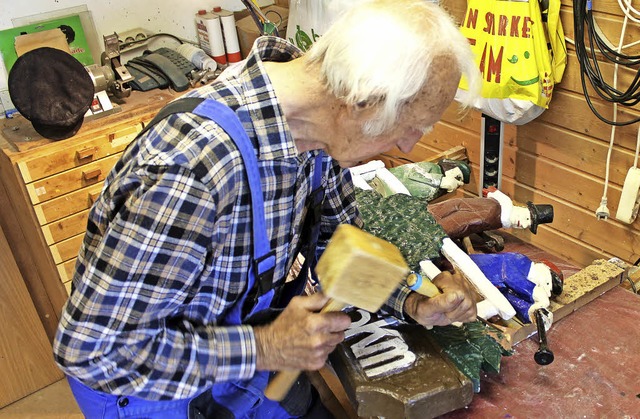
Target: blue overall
[[240, 399]]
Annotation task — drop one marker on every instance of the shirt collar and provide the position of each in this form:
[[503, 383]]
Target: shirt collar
[[269, 123]]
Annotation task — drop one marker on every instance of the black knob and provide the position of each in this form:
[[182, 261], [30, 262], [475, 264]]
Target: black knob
[[543, 356]]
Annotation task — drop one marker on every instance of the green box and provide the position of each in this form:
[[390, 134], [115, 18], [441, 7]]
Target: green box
[[71, 26]]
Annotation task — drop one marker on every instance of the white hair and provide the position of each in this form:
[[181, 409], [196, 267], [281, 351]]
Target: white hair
[[379, 52]]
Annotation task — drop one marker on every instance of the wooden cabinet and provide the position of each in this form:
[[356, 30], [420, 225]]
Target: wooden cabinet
[[47, 188], [26, 360]]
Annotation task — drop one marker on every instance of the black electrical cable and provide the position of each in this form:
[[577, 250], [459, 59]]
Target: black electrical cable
[[590, 68], [628, 98]]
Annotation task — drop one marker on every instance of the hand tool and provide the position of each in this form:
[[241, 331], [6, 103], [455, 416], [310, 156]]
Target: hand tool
[[356, 269], [543, 355]]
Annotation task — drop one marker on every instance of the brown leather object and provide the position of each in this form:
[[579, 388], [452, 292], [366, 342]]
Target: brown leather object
[[461, 217]]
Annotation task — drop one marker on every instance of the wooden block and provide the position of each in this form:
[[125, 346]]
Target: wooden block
[[393, 370], [360, 269], [52, 38], [588, 279]]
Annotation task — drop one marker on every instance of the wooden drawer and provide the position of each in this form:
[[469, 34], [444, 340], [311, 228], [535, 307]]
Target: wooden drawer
[[70, 180], [65, 270], [65, 227], [82, 153], [66, 249], [67, 205]]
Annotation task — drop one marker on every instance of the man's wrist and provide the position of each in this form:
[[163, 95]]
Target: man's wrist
[[409, 308], [262, 341]]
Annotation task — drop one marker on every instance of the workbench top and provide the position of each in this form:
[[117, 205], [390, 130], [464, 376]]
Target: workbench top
[[595, 374]]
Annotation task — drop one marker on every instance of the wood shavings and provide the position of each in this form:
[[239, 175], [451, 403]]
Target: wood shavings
[[586, 280]]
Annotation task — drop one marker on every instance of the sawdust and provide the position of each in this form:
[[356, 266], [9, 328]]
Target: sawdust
[[584, 281]]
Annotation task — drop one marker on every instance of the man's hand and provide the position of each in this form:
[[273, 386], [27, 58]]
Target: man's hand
[[300, 338], [455, 304]]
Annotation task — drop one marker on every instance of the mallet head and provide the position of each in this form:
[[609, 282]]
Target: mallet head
[[360, 269]]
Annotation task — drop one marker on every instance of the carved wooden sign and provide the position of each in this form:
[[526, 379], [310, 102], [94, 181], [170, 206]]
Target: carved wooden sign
[[392, 369], [382, 351]]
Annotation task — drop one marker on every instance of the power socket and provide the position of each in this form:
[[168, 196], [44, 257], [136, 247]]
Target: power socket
[[137, 34], [628, 206]]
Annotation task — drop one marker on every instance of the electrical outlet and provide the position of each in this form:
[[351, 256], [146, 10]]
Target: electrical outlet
[[492, 136], [137, 34]]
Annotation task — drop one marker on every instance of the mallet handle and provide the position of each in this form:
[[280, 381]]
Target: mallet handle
[[280, 385]]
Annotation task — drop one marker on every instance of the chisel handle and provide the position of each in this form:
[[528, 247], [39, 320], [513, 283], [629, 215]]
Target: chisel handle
[[424, 286]]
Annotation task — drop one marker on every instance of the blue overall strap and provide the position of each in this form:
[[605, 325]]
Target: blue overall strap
[[311, 235], [317, 199], [264, 259]]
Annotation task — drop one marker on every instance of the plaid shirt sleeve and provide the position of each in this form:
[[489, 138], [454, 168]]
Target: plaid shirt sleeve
[[147, 267]]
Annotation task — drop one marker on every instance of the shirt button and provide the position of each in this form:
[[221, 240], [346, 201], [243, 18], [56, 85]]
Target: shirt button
[[123, 402]]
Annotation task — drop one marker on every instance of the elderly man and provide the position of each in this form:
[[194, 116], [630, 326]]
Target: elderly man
[[179, 307]]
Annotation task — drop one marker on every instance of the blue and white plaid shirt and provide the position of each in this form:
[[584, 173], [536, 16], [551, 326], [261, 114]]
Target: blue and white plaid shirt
[[168, 245]]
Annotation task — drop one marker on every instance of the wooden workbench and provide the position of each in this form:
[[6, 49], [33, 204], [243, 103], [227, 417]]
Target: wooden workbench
[[595, 374], [581, 355]]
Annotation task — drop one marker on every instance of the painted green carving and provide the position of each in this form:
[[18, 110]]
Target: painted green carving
[[302, 39], [471, 349], [404, 221]]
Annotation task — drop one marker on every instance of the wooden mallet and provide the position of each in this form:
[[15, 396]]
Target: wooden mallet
[[356, 269]]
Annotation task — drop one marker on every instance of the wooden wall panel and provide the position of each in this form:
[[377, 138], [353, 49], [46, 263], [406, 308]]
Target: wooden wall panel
[[560, 157], [610, 24], [583, 153]]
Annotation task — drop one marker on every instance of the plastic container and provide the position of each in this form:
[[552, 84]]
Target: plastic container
[[198, 57], [209, 30], [231, 43]]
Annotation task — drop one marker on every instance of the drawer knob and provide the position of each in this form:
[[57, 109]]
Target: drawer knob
[[85, 153], [89, 175], [93, 196]]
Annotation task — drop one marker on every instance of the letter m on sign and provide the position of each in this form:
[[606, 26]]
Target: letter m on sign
[[492, 66]]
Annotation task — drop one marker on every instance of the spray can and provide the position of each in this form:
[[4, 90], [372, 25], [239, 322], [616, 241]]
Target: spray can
[[197, 56], [210, 35], [232, 46]]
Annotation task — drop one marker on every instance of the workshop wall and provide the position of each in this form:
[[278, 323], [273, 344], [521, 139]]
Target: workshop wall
[[110, 16], [165, 16], [559, 158]]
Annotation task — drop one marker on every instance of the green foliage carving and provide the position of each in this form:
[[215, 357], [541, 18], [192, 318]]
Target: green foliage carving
[[471, 348], [404, 221]]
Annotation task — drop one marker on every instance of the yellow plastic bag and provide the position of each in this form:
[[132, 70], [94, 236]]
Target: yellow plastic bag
[[509, 39]]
